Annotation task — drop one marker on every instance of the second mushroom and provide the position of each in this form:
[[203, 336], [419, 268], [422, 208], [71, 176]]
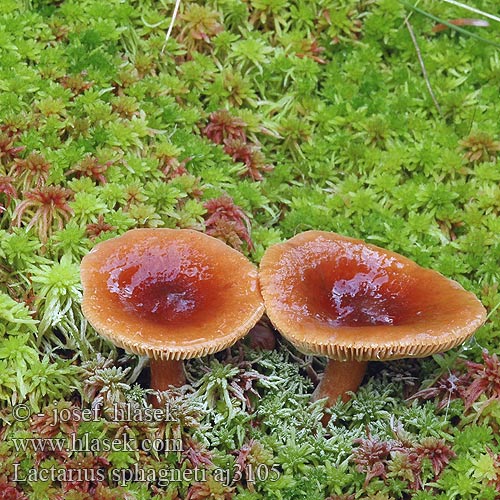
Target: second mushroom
[[353, 302]]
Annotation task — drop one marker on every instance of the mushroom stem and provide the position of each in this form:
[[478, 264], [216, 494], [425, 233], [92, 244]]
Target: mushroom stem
[[339, 378], [165, 373]]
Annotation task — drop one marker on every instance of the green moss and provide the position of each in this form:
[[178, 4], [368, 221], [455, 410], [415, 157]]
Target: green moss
[[333, 99]]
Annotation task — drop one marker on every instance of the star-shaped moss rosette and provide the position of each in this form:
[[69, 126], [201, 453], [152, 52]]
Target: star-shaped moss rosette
[[170, 294], [353, 302]]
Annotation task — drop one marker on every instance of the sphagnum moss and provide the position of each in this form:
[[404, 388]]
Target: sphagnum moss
[[106, 126]]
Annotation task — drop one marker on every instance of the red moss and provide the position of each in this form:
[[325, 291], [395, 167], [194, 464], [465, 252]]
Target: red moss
[[227, 221], [407, 464], [228, 232], [311, 49], [45, 206], [371, 457], [86, 478], [239, 150], [96, 229], [76, 83], [46, 426], [223, 125], [480, 378], [479, 147], [258, 166], [9, 492], [13, 125], [91, 167], [242, 385], [229, 130], [248, 154], [448, 387], [32, 171], [8, 151], [484, 377], [402, 457], [196, 454], [8, 190], [250, 456], [173, 168], [437, 452]]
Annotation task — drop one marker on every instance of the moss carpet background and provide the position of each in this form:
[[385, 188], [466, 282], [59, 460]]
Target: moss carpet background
[[254, 121]]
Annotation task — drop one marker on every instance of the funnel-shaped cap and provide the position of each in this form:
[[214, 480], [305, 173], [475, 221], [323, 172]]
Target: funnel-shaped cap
[[170, 293], [339, 297]]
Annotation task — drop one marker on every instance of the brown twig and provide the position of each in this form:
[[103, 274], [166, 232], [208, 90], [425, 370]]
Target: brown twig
[[422, 65], [481, 23]]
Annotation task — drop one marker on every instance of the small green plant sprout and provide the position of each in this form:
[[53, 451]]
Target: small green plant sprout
[[224, 383], [15, 317], [199, 25], [58, 290], [211, 488], [24, 374], [186, 411]]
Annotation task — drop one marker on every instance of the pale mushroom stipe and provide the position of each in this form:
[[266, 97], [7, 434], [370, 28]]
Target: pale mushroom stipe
[[170, 294], [353, 302]]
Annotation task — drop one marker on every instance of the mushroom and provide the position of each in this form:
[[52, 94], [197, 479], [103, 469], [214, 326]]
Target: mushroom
[[169, 294], [262, 336], [353, 302]]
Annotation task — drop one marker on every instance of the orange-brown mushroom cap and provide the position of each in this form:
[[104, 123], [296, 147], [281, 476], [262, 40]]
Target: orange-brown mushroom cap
[[348, 300], [170, 293]]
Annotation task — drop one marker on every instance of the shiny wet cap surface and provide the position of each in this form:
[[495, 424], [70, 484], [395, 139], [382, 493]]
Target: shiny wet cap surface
[[339, 297], [170, 293]]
